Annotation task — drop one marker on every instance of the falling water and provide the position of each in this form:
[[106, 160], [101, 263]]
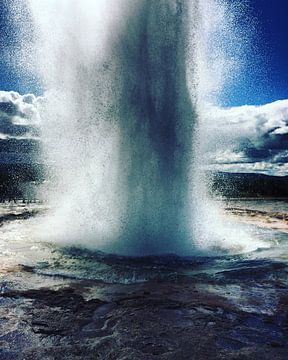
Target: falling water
[[126, 83]]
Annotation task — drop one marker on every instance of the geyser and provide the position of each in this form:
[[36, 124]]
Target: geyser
[[125, 82]]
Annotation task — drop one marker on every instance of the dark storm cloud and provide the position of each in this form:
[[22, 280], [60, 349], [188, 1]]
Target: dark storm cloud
[[18, 115], [19, 127], [19, 146], [249, 138], [265, 148], [241, 139], [9, 108], [8, 128]]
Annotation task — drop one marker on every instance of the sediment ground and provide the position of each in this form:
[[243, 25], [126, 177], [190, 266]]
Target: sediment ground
[[234, 307]]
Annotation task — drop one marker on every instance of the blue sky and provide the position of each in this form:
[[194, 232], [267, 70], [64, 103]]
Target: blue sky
[[12, 77], [239, 138], [263, 79]]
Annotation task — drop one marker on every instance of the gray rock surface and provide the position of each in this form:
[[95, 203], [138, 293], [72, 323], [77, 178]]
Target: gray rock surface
[[233, 314]]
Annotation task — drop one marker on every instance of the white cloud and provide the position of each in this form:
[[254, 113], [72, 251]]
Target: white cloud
[[226, 155], [247, 138], [19, 128], [19, 117], [238, 139]]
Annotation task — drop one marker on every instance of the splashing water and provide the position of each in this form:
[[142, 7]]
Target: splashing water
[[126, 85]]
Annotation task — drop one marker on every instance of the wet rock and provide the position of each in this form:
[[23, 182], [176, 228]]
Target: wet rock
[[211, 317]]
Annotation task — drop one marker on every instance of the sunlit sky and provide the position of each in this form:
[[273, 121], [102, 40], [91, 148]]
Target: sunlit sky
[[241, 138], [263, 78]]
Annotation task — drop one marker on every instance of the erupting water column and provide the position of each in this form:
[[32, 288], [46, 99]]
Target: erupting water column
[[123, 81]]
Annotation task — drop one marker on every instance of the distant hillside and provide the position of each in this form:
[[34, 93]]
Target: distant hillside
[[249, 185], [18, 181], [20, 172]]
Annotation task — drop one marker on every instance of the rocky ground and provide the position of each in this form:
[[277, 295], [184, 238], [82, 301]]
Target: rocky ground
[[240, 313], [273, 220], [169, 308]]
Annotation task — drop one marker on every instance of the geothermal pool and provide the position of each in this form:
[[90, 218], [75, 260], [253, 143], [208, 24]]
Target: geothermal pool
[[84, 303], [268, 234], [130, 258]]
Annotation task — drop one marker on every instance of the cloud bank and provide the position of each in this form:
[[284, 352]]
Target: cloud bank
[[19, 127], [247, 138], [237, 139]]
